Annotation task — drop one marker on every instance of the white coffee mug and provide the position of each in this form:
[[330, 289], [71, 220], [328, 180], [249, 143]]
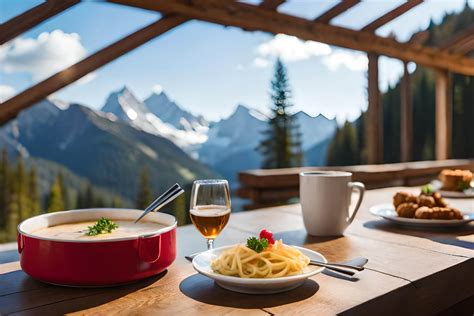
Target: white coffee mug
[[325, 198]]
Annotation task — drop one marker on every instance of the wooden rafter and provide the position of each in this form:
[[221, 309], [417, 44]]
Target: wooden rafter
[[461, 43], [339, 8], [391, 15], [252, 17], [13, 106], [32, 17], [271, 4]]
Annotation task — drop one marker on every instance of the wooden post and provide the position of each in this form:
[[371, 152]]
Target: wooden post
[[443, 115], [374, 113], [406, 117]]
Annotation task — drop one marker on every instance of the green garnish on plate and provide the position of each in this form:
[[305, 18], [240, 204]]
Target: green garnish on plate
[[103, 226], [427, 189], [256, 244]]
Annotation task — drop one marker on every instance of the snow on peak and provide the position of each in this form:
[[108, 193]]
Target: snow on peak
[[170, 112], [127, 107]]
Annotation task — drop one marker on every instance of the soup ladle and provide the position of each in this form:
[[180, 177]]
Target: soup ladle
[[167, 197]]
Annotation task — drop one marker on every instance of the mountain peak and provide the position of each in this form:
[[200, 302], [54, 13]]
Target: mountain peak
[[124, 90], [162, 97], [170, 112], [242, 108]]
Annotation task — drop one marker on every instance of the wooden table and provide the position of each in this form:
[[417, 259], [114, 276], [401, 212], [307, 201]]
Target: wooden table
[[409, 272]]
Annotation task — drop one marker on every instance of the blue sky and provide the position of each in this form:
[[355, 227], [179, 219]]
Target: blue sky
[[206, 68]]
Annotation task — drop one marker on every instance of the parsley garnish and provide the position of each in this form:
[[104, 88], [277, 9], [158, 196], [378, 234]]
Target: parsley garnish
[[427, 189], [463, 185], [257, 244], [103, 226]]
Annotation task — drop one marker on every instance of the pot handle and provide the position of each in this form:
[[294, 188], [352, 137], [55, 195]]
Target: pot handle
[[21, 242], [149, 247]]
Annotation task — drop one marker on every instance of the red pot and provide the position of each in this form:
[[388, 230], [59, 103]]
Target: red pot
[[95, 262]]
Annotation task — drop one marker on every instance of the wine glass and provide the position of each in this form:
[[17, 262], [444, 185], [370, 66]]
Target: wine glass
[[210, 207]]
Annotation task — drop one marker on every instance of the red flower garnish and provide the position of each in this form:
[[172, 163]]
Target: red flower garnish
[[268, 235]]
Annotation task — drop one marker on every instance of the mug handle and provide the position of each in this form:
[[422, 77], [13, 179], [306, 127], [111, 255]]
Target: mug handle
[[358, 186]]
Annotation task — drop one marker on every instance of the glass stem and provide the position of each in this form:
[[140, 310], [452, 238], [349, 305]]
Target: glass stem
[[210, 244]]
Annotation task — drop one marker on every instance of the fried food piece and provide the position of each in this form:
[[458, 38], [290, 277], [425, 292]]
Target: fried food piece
[[438, 213], [407, 209], [426, 200], [403, 197], [423, 212], [439, 200], [455, 180]]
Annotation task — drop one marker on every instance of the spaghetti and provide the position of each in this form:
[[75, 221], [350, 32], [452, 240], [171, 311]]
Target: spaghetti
[[277, 260]]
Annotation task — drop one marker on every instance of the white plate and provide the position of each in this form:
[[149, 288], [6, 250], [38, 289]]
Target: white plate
[[387, 211], [202, 264], [469, 193]]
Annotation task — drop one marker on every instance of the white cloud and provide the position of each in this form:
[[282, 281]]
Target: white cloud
[[289, 49], [390, 72], [87, 78], [354, 61], [43, 56], [261, 62], [157, 89], [411, 67], [6, 92]]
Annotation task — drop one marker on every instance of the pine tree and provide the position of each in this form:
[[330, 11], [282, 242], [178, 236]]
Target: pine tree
[[89, 198], [80, 199], [282, 145], [144, 197], [117, 202], [33, 192], [65, 192], [344, 149], [56, 199], [22, 190], [4, 189]]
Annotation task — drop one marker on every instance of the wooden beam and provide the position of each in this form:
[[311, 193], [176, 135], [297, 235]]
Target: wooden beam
[[13, 106], [25, 21], [271, 4], [374, 114], [254, 18], [339, 8], [391, 15], [406, 117], [443, 115], [460, 43]]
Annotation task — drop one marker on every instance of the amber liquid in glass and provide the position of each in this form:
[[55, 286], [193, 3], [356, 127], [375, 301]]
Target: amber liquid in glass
[[210, 219]]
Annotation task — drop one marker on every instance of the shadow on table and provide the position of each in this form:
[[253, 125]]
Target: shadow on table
[[441, 235], [301, 237], [21, 293], [204, 290], [7, 256]]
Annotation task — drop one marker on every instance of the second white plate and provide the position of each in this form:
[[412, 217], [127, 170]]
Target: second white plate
[[469, 193], [387, 211], [202, 264]]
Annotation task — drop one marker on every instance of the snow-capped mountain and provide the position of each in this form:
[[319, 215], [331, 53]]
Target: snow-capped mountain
[[240, 131], [126, 106], [97, 146], [232, 142], [315, 129], [170, 112]]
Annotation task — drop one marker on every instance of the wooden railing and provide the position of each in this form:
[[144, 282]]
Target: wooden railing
[[267, 187]]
